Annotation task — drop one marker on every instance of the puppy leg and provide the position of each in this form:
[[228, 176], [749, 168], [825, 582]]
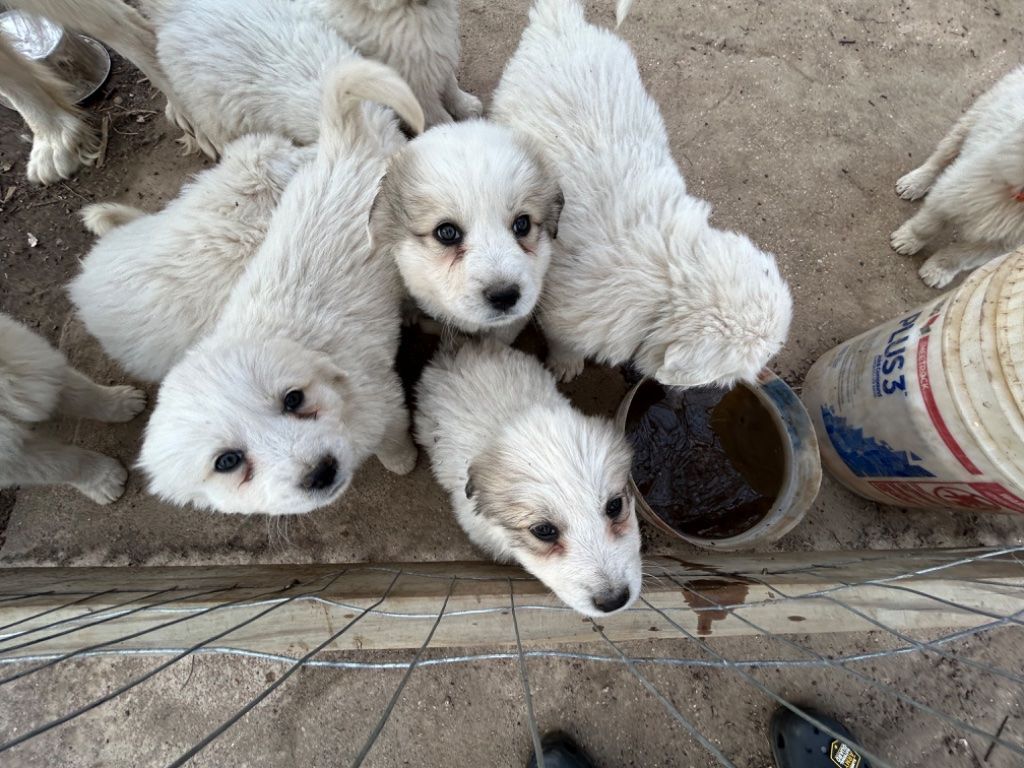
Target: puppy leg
[[918, 230], [917, 183], [62, 142], [940, 269], [83, 398], [44, 461], [564, 361], [397, 451], [461, 105]]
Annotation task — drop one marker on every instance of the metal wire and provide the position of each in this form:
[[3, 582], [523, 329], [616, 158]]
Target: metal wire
[[534, 730]]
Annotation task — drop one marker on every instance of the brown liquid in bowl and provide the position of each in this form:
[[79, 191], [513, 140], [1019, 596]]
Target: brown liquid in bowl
[[709, 462]]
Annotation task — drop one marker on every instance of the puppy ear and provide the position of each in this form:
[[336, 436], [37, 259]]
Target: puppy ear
[[554, 212], [375, 225]]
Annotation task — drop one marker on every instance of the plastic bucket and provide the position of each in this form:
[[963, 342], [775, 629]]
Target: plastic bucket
[[801, 468], [928, 410]]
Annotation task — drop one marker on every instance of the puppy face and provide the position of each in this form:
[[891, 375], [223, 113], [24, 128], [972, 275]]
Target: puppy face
[[468, 211], [246, 428], [723, 321], [554, 487]]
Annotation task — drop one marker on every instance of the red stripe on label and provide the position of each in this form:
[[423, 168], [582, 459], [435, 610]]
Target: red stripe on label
[[924, 381]]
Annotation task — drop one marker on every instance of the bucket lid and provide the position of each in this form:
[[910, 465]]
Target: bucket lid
[[1009, 327]]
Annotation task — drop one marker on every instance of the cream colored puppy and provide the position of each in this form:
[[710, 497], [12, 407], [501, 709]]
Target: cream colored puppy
[[295, 386], [154, 284], [62, 140], [638, 273], [532, 479], [255, 66], [975, 182], [37, 383], [469, 212]]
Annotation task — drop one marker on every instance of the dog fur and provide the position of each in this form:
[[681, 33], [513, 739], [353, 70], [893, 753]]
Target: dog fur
[[315, 312], [513, 453], [154, 284], [62, 140], [637, 273], [258, 66], [974, 181], [37, 383], [481, 178]]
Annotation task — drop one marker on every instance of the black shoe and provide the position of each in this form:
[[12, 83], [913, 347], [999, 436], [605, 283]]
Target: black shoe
[[560, 751], [797, 743]]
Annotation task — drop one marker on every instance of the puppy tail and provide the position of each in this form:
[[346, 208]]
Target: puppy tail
[[622, 10], [562, 14], [100, 218], [348, 86]]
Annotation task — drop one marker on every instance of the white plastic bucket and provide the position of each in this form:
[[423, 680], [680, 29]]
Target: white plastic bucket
[[928, 410]]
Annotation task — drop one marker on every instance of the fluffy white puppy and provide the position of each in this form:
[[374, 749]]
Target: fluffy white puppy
[[418, 39], [638, 273], [62, 141], [36, 383], [469, 211], [275, 410], [531, 478], [154, 284], [259, 65], [975, 182]]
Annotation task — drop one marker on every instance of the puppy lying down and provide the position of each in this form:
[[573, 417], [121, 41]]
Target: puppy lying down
[[638, 273], [36, 383], [532, 479], [469, 211], [154, 284], [255, 66], [295, 386]]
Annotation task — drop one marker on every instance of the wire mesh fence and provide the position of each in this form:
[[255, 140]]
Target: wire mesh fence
[[897, 631]]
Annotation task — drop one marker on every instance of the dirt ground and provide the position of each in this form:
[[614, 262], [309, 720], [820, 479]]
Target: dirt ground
[[794, 119]]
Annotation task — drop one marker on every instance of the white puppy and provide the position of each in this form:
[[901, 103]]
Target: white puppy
[[154, 284], [637, 272], [62, 141], [468, 211], [275, 410], [975, 182], [36, 383], [531, 478], [259, 65]]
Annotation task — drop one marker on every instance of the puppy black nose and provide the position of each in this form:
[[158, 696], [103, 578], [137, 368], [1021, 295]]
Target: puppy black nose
[[322, 476], [502, 297], [611, 600]]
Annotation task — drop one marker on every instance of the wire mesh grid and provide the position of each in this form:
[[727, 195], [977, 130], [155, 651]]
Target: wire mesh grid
[[395, 621]]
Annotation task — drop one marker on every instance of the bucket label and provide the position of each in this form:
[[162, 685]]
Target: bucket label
[[887, 373], [980, 497], [866, 456]]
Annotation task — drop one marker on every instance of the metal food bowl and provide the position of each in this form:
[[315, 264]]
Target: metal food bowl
[[801, 476], [79, 61]]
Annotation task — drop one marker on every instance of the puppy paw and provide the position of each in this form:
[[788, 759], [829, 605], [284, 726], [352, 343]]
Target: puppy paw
[[193, 139], [566, 368], [937, 274], [466, 106], [915, 184], [57, 154], [400, 461], [121, 403], [107, 482], [905, 242]]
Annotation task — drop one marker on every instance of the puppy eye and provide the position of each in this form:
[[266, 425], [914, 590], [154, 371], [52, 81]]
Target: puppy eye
[[521, 226], [229, 461], [448, 234], [614, 507], [544, 531], [293, 400]]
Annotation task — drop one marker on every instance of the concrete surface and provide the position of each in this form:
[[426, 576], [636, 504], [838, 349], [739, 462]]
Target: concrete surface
[[794, 119]]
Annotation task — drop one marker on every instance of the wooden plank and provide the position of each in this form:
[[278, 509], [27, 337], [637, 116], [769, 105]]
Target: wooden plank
[[177, 607]]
